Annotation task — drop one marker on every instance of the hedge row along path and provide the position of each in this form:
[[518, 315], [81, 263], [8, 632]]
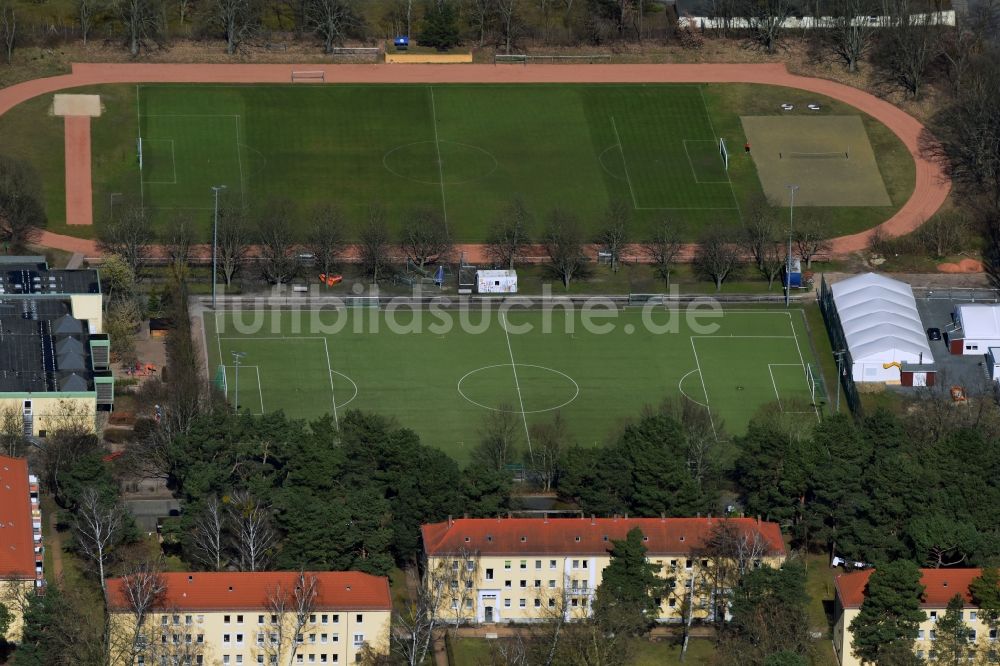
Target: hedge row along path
[[929, 193]]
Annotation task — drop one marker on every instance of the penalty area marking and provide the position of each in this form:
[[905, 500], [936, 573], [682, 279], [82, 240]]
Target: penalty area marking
[[260, 392]]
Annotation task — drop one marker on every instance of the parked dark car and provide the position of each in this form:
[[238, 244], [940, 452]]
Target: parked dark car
[[933, 333]]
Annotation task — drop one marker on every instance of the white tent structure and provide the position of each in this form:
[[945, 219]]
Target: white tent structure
[[882, 328]]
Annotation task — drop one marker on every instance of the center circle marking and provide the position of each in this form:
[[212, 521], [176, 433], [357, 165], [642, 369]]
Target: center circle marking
[[576, 387], [494, 165]]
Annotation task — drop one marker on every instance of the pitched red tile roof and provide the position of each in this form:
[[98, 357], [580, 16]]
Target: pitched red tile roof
[[211, 591], [940, 586], [581, 536], [17, 551]]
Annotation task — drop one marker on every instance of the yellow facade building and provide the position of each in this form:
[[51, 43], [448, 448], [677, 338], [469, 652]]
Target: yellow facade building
[[534, 570], [21, 550], [940, 586], [231, 619], [55, 357]]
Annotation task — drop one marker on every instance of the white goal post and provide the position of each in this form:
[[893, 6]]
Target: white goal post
[[724, 152], [308, 75], [138, 143]]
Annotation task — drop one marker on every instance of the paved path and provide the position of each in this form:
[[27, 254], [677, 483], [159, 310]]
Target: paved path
[[930, 191]]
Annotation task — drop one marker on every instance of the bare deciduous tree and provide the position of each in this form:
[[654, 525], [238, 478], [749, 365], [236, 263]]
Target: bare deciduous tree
[[614, 235], [510, 234], [238, 20], [944, 233], [510, 22], [8, 29], [548, 440], [911, 42], [129, 236], [332, 20], [563, 242], [142, 590], [326, 237], [499, 438], [662, 247], [373, 245], [851, 34], [766, 21], [209, 535], [716, 257], [482, 15], [424, 237], [253, 536], [764, 243], [234, 242], [811, 240], [86, 12], [291, 609], [97, 526], [140, 21], [177, 241], [12, 439], [277, 264], [414, 626], [730, 552], [22, 214]]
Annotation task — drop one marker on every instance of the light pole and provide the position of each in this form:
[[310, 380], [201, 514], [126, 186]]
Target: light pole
[[788, 259], [215, 239], [840, 370], [237, 357]]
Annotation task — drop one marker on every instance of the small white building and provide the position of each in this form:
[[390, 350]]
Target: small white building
[[885, 338], [496, 282], [977, 328]]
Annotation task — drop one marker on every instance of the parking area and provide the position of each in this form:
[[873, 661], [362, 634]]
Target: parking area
[[969, 372]]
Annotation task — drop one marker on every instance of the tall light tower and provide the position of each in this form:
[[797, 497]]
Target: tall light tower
[[237, 357], [215, 239], [788, 259]]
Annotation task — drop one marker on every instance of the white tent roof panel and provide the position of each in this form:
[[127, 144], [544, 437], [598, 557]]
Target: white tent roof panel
[[880, 320]]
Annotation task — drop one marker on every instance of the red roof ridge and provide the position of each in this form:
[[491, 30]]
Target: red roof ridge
[[17, 551], [246, 590], [940, 586], [581, 535]]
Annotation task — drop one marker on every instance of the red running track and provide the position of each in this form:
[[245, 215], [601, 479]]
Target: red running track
[[930, 191]]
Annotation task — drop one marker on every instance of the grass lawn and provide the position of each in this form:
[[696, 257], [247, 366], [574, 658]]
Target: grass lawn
[[476, 651], [441, 371], [461, 150]]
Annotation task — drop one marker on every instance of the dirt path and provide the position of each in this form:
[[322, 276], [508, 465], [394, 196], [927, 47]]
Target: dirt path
[[931, 187]]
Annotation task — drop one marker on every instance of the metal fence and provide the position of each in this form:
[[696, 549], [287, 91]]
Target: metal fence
[[958, 294], [839, 342]]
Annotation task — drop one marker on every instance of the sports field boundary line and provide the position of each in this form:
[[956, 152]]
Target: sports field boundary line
[[437, 147], [517, 385], [805, 372], [239, 161], [684, 143], [711, 124], [777, 395], [628, 178]]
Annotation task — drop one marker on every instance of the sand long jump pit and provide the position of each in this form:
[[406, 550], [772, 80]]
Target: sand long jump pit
[[828, 157]]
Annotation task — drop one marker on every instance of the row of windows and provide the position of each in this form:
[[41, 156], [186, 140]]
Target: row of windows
[[932, 635], [272, 638], [321, 618], [973, 615]]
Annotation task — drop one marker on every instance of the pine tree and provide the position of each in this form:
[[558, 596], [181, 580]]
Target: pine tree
[[630, 588], [890, 613], [986, 594], [440, 26]]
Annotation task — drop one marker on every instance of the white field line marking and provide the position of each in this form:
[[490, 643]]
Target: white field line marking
[[704, 387], [173, 163], [621, 149], [138, 122], [802, 360], [517, 384], [686, 208], [437, 146], [239, 161], [257, 370], [777, 395], [329, 373], [708, 115], [680, 388], [726, 337], [684, 142], [190, 115]]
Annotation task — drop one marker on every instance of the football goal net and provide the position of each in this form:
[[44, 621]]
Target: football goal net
[[817, 387], [724, 152], [220, 381], [138, 147], [308, 75]]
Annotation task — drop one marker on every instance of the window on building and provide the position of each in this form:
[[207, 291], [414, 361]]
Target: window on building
[[933, 616], [688, 564], [522, 603], [200, 638], [454, 604], [260, 659], [239, 619], [188, 619], [239, 639], [538, 564], [312, 638], [932, 655], [299, 659], [323, 638], [972, 635], [312, 618], [260, 638], [177, 619], [506, 603], [524, 583], [468, 584], [225, 638], [201, 618], [359, 640], [993, 634], [334, 638], [298, 638], [225, 659], [359, 618], [576, 564], [507, 583], [933, 635], [260, 619], [226, 618], [552, 582], [470, 565], [920, 634], [574, 602], [506, 564], [585, 563], [920, 654], [524, 564], [552, 603], [239, 659], [973, 615], [325, 618], [336, 618], [468, 604], [552, 564], [453, 584], [489, 574], [671, 602]]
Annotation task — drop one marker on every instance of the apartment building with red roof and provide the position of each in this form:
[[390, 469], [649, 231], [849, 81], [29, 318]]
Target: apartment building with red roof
[[940, 586], [21, 549], [230, 618], [495, 570]]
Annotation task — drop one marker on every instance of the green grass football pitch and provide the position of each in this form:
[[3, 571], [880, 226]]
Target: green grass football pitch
[[439, 371], [464, 151]]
